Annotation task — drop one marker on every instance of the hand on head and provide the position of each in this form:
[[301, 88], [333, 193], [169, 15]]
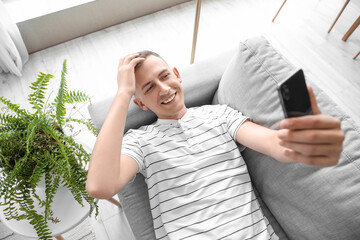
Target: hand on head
[[126, 73], [315, 139]]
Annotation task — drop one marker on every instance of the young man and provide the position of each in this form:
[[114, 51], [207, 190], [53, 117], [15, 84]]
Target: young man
[[198, 183]]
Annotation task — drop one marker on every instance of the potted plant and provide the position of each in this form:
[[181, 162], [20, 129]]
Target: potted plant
[[34, 148]]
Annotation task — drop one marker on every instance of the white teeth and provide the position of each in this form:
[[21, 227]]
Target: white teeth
[[170, 99]]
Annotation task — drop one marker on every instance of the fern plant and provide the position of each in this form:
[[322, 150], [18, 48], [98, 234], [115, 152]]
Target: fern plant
[[34, 146]]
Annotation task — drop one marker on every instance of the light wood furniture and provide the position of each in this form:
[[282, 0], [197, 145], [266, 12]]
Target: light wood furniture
[[196, 28], [337, 17], [353, 26], [351, 29], [347, 34], [356, 55], [115, 202], [280, 10]]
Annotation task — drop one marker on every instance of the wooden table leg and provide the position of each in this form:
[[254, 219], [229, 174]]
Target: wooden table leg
[[114, 201], [196, 27], [279, 10], [352, 29], [60, 237], [356, 55], [347, 1]]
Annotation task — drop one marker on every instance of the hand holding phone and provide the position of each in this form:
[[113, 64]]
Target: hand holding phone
[[296, 135], [294, 96]]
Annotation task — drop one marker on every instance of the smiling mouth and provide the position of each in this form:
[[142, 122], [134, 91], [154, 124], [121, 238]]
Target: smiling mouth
[[169, 99]]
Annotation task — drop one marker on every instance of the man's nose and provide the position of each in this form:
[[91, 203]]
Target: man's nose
[[164, 89]]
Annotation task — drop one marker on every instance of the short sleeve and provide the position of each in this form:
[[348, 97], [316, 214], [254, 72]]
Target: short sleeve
[[233, 119], [132, 148]]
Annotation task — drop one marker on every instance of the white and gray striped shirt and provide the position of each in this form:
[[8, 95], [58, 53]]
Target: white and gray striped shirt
[[198, 183]]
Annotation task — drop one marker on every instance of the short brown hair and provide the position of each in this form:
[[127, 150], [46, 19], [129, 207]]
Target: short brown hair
[[145, 54]]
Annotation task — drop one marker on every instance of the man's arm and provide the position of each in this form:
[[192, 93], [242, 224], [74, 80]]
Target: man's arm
[[315, 140], [109, 171]]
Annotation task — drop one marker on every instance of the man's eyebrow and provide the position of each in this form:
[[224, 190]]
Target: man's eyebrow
[[162, 72]]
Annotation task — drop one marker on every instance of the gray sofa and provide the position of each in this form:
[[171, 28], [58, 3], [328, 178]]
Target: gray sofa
[[300, 201]]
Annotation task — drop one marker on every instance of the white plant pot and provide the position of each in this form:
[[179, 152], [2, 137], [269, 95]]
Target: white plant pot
[[65, 208]]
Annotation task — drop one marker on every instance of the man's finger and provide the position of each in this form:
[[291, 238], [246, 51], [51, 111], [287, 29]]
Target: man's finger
[[128, 58], [312, 136], [311, 122], [313, 149], [322, 161], [135, 61], [313, 102]]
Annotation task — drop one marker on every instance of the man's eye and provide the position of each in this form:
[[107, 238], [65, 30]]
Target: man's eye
[[166, 76], [149, 89]]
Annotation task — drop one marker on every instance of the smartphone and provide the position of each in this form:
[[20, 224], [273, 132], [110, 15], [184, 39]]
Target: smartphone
[[294, 96]]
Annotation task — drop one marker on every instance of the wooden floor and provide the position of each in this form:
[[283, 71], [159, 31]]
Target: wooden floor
[[299, 32]]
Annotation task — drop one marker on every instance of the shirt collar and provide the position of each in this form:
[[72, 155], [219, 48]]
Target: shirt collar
[[172, 121]]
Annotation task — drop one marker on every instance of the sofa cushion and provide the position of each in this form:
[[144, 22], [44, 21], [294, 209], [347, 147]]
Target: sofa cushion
[[309, 202], [134, 198]]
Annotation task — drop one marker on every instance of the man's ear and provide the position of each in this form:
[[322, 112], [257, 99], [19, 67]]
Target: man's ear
[[177, 74], [140, 104]]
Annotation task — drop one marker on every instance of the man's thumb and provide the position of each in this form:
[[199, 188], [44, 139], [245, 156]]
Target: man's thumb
[[313, 102]]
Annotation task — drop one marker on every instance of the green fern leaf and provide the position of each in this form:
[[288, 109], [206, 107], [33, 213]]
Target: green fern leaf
[[60, 99], [37, 173], [14, 107], [52, 186], [31, 131], [57, 137], [86, 122], [36, 98], [76, 97], [35, 219], [6, 118]]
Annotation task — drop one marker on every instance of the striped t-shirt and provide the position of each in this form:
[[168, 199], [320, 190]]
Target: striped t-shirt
[[198, 183]]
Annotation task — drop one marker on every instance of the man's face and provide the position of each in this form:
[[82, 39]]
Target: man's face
[[158, 88]]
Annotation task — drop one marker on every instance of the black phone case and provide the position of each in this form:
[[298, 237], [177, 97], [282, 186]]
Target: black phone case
[[294, 96]]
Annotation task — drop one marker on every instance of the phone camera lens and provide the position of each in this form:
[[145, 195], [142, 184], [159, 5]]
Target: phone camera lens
[[286, 92]]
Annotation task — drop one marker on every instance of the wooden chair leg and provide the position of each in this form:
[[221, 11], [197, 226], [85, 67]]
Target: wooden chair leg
[[356, 55], [196, 28], [279, 10], [60, 237], [347, 1], [114, 201], [352, 29]]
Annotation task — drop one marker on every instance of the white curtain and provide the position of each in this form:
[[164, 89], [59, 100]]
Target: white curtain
[[13, 53]]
